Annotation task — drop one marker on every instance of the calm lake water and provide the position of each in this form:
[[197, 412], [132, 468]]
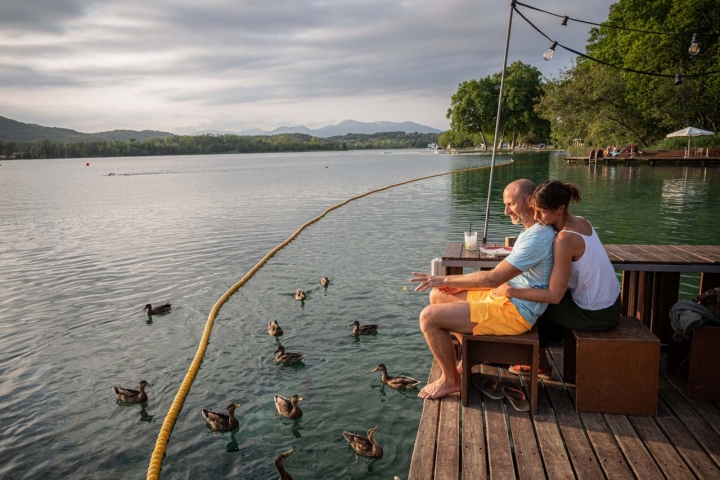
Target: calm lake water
[[82, 252]]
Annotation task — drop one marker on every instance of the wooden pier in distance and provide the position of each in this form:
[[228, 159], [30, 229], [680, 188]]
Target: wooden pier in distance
[[651, 157]]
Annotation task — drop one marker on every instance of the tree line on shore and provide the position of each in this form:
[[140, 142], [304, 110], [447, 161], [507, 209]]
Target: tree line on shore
[[596, 104], [213, 144]]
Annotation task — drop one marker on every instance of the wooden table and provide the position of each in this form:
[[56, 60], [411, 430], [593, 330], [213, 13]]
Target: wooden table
[[650, 275], [650, 280]]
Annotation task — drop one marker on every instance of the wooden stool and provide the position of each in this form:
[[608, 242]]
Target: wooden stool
[[704, 373], [511, 349], [615, 371]]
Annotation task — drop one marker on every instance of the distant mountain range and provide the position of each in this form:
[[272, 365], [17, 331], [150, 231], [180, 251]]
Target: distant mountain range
[[19, 132], [12, 130], [349, 126]]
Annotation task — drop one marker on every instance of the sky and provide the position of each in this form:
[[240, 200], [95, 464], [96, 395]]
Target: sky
[[189, 67]]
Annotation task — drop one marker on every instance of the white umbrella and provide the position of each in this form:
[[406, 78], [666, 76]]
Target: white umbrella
[[689, 132]]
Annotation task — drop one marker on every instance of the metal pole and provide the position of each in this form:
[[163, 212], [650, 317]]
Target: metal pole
[[497, 121]]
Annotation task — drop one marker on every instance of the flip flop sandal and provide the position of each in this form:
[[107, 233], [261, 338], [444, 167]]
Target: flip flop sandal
[[488, 386], [515, 396], [545, 374]]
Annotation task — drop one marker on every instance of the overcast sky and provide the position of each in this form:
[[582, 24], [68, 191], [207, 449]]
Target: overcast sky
[[220, 65]]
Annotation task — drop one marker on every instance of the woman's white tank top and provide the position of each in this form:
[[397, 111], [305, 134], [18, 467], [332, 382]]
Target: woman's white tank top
[[593, 283]]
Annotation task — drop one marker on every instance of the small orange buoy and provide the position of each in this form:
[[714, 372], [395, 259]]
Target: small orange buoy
[[87, 164]]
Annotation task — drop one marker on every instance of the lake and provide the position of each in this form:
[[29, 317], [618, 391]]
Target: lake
[[82, 252]]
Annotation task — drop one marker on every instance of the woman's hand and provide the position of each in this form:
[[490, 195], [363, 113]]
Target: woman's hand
[[502, 290]]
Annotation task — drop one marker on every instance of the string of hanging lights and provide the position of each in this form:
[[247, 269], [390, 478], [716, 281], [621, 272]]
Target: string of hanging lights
[[694, 48]]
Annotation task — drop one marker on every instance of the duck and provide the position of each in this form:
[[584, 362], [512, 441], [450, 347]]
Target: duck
[[364, 330], [220, 421], [299, 295], [130, 395], [324, 281], [274, 329], [288, 408], [280, 464], [287, 358], [396, 382], [157, 310], [367, 447]]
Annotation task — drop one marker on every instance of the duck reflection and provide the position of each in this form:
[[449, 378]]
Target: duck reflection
[[144, 415], [296, 427], [232, 445]]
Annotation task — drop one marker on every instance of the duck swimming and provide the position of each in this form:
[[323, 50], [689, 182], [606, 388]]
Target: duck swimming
[[274, 329], [129, 395], [364, 330], [220, 421], [299, 295], [280, 465], [287, 358], [288, 408], [324, 281], [396, 382], [367, 447], [157, 310]]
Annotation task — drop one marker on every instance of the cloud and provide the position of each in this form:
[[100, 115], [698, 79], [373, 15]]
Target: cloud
[[222, 57], [40, 15]]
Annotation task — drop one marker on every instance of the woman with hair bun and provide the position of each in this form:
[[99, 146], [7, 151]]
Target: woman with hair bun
[[584, 292]]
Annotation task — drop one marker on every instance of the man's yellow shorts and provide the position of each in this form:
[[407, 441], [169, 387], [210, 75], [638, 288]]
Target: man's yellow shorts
[[494, 315]]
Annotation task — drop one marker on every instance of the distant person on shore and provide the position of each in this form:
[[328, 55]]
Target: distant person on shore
[[466, 304], [584, 293]]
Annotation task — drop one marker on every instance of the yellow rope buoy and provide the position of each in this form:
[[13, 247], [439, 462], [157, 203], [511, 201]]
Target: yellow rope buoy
[[169, 422]]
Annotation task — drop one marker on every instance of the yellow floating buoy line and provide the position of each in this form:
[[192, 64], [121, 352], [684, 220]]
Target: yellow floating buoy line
[[169, 422]]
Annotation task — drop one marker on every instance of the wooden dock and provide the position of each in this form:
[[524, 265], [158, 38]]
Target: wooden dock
[[490, 440], [677, 161], [651, 157]]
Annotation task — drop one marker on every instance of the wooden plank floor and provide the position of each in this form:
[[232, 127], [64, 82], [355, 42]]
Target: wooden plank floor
[[488, 439]]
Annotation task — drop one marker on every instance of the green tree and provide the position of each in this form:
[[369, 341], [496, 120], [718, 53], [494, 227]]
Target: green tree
[[664, 105], [473, 108], [523, 88], [589, 101]]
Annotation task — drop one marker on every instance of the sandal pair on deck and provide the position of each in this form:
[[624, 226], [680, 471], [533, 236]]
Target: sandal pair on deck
[[496, 390], [543, 373]]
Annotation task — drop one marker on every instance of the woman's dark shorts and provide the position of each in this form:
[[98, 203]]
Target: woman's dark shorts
[[566, 314]]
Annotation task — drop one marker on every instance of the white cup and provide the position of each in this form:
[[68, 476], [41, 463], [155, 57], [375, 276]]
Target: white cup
[[470, 240]]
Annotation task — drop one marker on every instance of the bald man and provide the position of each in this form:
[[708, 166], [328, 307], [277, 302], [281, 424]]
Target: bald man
[[465, 304]]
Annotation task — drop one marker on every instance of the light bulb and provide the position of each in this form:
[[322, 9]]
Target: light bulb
[[549, 54], [678, 79], [694, 46], [564, 21]]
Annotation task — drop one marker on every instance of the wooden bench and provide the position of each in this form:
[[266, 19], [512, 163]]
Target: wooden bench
[[616, 371], [698, 361], [511, 349]]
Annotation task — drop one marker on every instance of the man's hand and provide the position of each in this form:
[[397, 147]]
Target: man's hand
[[426, 281]]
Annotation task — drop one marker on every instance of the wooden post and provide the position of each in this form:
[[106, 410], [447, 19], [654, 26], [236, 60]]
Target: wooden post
[[665, 294]]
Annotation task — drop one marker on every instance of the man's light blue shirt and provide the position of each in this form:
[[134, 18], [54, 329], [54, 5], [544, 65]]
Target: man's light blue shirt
[[532, 254]]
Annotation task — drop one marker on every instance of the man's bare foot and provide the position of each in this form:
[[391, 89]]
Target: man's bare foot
[[439, 389]]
